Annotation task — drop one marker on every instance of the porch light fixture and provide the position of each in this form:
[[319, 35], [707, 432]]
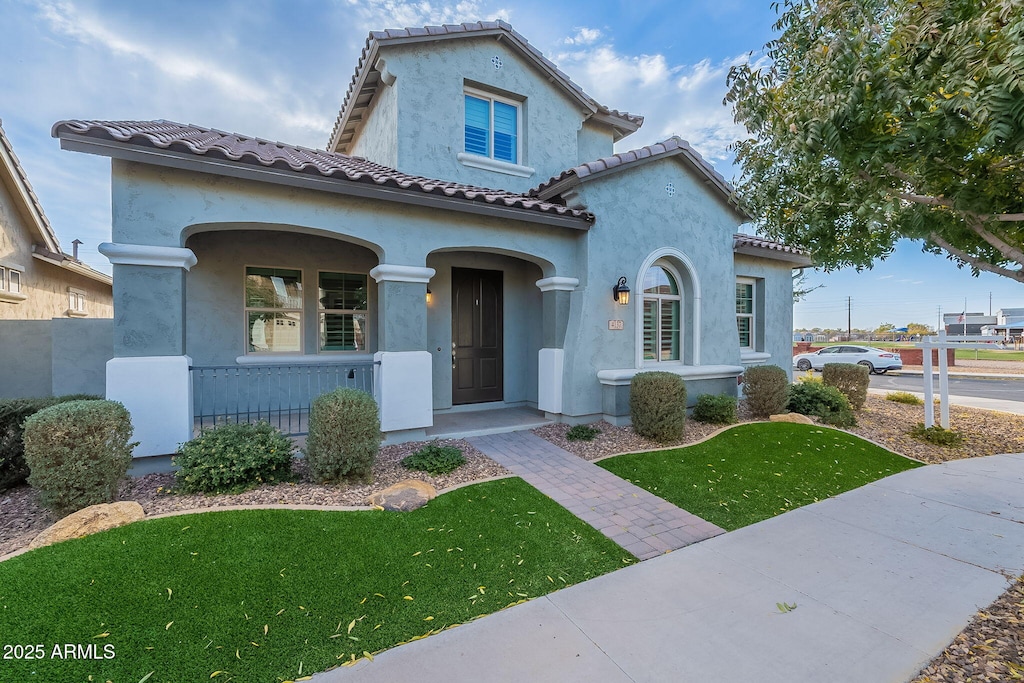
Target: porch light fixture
[[620, 292], [430, 296]]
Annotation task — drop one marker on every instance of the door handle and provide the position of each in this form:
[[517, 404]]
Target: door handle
[[453, 355]]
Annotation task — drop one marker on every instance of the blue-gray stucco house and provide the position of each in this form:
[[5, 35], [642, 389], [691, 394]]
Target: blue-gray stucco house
[[233, 252]]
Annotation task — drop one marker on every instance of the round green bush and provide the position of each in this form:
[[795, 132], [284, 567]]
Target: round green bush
[[435, 459], [78, 452], [582, 433], [715, 409], [849, 378], [823, 401], [344, 436], [657, 405], [232, 458], [766, 388]]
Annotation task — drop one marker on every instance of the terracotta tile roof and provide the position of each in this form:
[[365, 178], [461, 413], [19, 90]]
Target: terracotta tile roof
[[674, 145], [9, 160], [752, 243], [210, 143], [366, 78]]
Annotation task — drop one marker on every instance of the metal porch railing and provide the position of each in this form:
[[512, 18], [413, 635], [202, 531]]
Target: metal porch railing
[[278, 394]]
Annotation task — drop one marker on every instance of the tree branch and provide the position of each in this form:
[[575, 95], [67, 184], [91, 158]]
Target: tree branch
[[1017, 275], [1008, 252]]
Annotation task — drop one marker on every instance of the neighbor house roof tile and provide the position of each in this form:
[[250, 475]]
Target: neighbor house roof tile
[[211, 143]]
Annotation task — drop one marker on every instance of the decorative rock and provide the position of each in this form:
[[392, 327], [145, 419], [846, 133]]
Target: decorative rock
[[89, 521], [406, 495], [795, 418]]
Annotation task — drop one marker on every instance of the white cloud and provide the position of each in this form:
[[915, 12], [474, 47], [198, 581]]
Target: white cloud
[[675, 99], [584, 36], [886, 277]]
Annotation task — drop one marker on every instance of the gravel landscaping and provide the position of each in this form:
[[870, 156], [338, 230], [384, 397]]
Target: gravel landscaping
[[991, 648]]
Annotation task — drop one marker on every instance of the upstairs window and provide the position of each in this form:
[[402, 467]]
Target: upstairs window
[[13, 281], [492, 126], [76, 302]]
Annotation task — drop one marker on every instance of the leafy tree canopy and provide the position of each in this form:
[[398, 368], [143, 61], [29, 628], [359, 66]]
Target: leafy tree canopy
[[872, 120]]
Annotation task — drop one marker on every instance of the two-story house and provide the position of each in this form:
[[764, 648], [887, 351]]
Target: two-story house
[[239, 258]]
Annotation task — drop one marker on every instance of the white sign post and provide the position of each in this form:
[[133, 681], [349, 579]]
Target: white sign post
[[943, 343]]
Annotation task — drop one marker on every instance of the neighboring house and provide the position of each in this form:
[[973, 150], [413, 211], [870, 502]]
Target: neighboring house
[[237, 253], [38, 281]]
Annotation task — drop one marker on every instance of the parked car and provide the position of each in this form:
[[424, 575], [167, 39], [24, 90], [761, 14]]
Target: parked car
[[876, 360]]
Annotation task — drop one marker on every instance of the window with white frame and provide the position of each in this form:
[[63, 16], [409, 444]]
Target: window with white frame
[[273, 310], [342, 310], [76, 301], [745, 307], [13, 281], [3, 278], [493, 126], [662, 302]]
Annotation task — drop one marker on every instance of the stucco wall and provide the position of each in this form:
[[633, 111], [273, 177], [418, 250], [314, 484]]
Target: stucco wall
[[377, 140], [44, 285], [636, 217], [431, 111], [774, 307], [521, 327], [593, 141], [54, 357], [215, 318]]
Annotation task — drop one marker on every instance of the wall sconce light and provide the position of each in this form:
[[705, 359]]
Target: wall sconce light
[[430, 296], [620, 292]]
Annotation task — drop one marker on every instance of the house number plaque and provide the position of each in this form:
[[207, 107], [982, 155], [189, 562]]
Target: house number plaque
[[615, 325]]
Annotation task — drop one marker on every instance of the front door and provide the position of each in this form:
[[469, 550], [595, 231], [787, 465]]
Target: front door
[[477, 362]]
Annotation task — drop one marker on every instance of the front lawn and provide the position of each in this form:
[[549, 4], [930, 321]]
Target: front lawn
[[267, 595], [756, 471]]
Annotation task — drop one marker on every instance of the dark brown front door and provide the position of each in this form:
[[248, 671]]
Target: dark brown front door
[[477, 364]]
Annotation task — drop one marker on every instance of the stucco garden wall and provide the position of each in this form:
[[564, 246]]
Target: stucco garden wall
[[54, 357]]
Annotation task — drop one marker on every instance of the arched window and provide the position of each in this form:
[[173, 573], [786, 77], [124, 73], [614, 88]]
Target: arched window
[[662, 302]]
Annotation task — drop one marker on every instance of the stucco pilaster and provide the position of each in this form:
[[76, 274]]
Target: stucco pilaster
[[401, 307], [555, 300]]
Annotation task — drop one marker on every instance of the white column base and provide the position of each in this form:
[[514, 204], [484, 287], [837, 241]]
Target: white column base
[[403, 387], [549, 380], [157, 391]]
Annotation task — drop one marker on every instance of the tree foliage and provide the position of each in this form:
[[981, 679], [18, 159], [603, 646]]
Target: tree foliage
[[872, 120]]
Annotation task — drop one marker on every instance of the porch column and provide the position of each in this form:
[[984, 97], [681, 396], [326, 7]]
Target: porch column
[[150, 373], [555, 299], [403, 382]]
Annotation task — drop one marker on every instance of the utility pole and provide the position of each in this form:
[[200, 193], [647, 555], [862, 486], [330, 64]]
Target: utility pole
[[990, 303], [849, 308]]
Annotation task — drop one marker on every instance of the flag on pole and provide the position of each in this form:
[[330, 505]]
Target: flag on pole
[[962, 318]]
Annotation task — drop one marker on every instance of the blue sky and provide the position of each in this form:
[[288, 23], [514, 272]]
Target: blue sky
[[278, 69]]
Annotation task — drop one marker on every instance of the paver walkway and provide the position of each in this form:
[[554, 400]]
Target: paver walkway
[[637, 520]]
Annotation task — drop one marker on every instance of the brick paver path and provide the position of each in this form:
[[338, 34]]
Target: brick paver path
[[637, 520]]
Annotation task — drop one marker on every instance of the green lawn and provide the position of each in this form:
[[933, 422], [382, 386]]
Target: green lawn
[[268, 595], [753, 472]]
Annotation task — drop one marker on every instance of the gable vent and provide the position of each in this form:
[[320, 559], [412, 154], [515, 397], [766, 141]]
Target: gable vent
[[670, 190], [496, 61]]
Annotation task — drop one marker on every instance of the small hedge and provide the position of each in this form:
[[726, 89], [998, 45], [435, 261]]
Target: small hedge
[[582, 433], [233, 458], [823, 401], [715, 409], [904, 397], [766, 388], [937, 435], [435, 459], [13, 413], [851, 379], [344, 436], [78, 452], [657, 405]]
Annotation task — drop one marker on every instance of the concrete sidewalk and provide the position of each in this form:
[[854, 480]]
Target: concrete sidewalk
[[882, 577], [998, 405]]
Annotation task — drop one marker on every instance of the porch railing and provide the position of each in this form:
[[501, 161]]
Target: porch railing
[[278, 394]]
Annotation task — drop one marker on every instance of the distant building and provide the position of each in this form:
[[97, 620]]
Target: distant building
[[967, 324], [1009, 323]]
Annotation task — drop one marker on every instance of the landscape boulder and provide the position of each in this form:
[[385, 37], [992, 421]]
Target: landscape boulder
[[403, 496], [89, 521], [795, 418]]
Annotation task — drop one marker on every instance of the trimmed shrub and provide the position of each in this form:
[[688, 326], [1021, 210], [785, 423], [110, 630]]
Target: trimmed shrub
[[851, 379], [233, 458], [13, 413], [582, 433], [435, 459], [715, 409], [937, 435], [904, 397], [766, 388], [344, 436], [823, 401], [77, 453], [809, 376], [657, 405]]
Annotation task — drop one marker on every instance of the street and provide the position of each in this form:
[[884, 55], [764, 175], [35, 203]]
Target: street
[[999, 388]]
